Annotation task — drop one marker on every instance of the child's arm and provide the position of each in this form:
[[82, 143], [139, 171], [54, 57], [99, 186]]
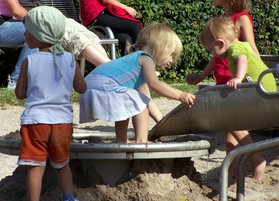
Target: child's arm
[[79, 83], [131, 11], [160, 87], [154, 111], [195, 78], [247, 32], [17, 10], [21, 85], [241, 70]]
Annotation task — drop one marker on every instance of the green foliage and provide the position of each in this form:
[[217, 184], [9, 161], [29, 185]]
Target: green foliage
[[7, 97], [187, 18], [266, 18], [181, 86]]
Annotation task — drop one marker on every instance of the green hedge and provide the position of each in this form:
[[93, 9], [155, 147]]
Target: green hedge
[[187, 18]]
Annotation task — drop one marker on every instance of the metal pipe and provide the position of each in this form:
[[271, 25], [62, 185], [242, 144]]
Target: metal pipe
[[139, 147], [81, 135], [247, 149], [240, 188], [12, 147]]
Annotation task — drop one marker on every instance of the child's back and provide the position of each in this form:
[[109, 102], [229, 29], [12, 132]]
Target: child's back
[[48, 92], [46, 80]]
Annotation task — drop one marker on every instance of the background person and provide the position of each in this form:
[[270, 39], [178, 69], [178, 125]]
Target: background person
[[111, 13], [78, 39], [12, 32]]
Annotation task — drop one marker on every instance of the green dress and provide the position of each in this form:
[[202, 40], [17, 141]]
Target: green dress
[[255, 65]]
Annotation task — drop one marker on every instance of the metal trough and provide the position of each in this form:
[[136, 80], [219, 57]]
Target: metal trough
[[220, 108]]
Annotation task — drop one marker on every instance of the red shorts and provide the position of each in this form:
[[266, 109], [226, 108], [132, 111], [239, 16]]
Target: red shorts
[[40, 141]]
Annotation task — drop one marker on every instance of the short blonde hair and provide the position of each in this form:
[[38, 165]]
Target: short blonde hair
[[240, 5], [160, 41], [218, 28]]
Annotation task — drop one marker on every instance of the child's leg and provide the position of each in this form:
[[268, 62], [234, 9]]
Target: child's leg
[[121, 129], [34, 182], [154, 111], [258, 162], [59, 151], [64, 176], [231, 143], [95, 55], [140, 123]]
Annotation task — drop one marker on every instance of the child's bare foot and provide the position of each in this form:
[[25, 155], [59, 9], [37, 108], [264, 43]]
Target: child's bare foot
[[258, 174]]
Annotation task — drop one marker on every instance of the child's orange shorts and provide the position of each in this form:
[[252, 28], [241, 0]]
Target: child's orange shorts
[[40, 141]]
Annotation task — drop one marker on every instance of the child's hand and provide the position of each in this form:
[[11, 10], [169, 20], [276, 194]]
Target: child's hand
[[187, 98], [233, 83], [131, 11], [192, 78]]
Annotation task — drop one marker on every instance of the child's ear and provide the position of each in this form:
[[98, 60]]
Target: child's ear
[[220, 43]]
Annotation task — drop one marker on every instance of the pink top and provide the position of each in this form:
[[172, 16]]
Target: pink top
[[222, 73], [4, 9]]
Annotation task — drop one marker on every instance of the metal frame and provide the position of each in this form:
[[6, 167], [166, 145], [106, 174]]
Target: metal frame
[[197, 145], [244, 152]]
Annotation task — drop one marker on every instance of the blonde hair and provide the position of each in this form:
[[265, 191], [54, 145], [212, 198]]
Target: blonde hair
[[160, 41], [218, 28], [240, 5]]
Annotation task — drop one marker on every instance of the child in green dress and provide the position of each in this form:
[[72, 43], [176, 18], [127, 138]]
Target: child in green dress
[[220, 37]]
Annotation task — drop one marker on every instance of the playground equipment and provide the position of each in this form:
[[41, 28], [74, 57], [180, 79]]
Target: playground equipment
[[217, 108], [111, 161], [243, 153], [220, 108]]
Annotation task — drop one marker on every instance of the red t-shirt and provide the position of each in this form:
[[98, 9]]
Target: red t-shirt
[[222, 73], [91, 9]]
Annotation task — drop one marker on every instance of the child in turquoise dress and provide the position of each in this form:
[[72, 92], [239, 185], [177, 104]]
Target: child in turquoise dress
[[114, 93]]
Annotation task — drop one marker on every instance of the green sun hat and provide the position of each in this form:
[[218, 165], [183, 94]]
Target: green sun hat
[[47, 24]]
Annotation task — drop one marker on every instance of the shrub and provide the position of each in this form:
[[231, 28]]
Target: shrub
[[187, 18]]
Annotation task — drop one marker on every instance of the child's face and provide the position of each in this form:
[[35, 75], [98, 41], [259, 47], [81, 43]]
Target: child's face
[[218, 47], [166, 61]]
